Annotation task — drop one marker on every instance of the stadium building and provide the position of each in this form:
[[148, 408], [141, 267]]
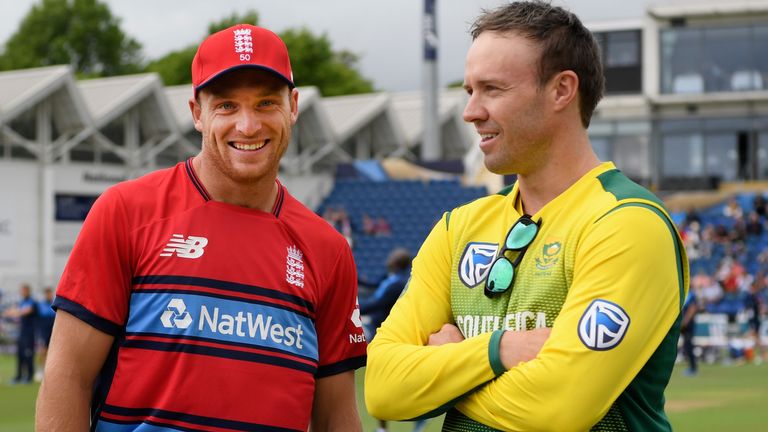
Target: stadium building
[[686, 109]]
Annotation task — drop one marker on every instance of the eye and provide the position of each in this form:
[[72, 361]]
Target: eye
[[266, 103], [226, 106]]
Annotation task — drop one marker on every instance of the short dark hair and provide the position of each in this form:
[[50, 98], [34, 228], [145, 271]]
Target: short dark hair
[[565, 44], [399, 259]]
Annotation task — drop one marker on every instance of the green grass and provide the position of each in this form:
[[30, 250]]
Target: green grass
[[720, 398], [17, 403]]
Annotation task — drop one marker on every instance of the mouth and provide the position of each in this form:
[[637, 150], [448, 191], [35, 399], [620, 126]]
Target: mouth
[[251, 146], [485, 137]]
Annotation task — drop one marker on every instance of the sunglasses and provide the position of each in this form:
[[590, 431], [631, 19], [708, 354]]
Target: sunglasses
[[502, 273]]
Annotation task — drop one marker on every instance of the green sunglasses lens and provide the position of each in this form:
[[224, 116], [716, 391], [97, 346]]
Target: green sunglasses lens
[[500, 276], [521, 235]]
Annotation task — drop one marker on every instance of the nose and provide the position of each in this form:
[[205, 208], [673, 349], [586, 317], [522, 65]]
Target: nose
[[248, 123], [474, 110]]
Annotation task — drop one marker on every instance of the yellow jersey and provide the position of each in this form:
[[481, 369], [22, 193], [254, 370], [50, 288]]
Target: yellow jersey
[[606, 272]]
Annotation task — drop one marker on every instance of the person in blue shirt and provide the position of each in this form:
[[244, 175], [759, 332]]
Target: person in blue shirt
[[378, 304], [26, 313], [45, 318], [687, 330]]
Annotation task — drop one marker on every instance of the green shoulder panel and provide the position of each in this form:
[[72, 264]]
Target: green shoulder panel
[[616, 183], [506, 190]]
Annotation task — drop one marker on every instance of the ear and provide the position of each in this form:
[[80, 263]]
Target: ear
[[194, 107], [294, 99], [565, 87]]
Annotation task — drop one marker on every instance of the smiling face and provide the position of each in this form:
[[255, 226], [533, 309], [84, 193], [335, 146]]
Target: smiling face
[[245, 118], [506, 103]]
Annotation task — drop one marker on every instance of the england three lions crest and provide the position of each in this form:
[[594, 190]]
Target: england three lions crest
[[294, 267], [475, 262]]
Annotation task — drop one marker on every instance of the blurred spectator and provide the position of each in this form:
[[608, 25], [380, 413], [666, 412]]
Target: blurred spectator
[[707, 290], [339, 218], [369, 225], [754, 226], [720, 234], [692, 215], [46, 316], [382, 227], [759, 205], [756, 307], [691, 236], [738, 233], [732, 209], [378, 305], [733, 275], [690, 308], [26, 313]]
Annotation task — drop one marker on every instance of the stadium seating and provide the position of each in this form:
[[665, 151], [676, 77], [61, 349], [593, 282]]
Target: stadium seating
[[411, 207]]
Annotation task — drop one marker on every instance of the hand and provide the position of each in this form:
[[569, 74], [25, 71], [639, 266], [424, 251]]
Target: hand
[[449, 333], [521, 346]]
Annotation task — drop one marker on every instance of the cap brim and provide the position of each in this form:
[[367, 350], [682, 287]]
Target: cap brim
[[213, 78]]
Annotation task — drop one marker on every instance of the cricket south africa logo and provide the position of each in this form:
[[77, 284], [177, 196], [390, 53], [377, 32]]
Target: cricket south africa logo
[[190, 247], [475, 262], [294, 267], [176, 315], [603, 325], [550, 255]]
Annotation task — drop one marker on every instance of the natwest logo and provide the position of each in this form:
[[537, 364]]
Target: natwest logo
[[176, 315], [255, 326], [190, 247]]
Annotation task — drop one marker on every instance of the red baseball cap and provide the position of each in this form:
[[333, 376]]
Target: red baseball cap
[[237, 47]]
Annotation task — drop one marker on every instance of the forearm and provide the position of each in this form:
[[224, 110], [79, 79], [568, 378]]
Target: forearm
[[404, 380], [335, 405], [573, 382], [75, 357], [64, 401]]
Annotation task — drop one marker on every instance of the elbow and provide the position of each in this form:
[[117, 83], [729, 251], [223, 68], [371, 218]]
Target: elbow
[[383, 393], [376, 404], [574, 418], [377, 397], [562, 415]]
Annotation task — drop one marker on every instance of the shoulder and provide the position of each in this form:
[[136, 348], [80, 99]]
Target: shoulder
[[153, 195], [308, 226], [622, 189], [470, 211], [610, 192], [151, 185]]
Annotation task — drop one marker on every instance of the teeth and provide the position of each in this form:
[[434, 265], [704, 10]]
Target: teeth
[[487, 136], [240, 146]]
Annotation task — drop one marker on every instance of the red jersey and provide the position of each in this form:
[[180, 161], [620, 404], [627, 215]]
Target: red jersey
[[223, 316]]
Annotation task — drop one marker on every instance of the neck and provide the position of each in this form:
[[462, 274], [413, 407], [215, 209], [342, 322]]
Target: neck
[[259, 194], [569, 159]]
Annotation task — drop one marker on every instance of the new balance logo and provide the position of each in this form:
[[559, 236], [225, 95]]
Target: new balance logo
[[176, 315], [191, 247]]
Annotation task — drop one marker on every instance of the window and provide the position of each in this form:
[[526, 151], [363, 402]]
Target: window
[[722, 156], [683, 155], [631, 155], [623, 49], [762, 155], [714, 59], [621, 55]]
